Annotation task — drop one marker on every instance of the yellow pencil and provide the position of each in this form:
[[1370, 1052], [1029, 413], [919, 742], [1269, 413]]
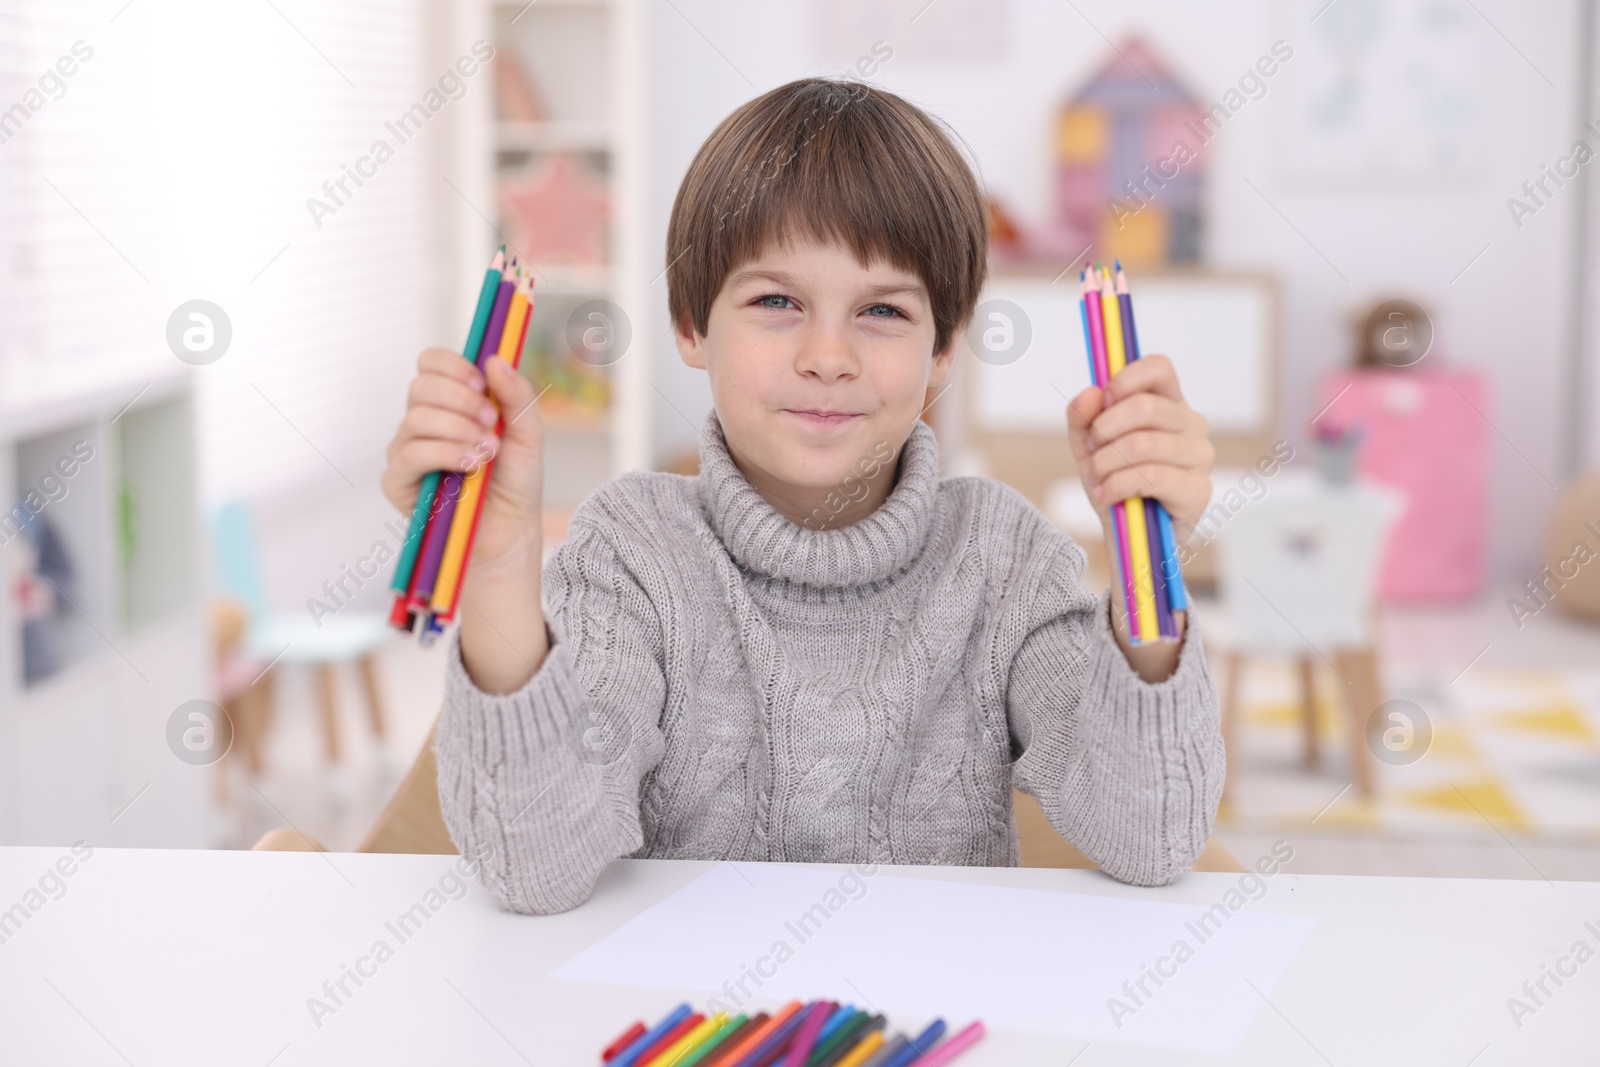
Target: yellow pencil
[[1144, 583], [455, 546], [858, 1055], [690, 1041]]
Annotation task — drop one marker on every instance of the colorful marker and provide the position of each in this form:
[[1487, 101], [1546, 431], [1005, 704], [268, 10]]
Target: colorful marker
[[690, 1041], [626, 1038], [711, 1044], [830, 1051], [914, 1048], [629, 1057], [805, 1036], [723, 1055], [859, 1055], [958, 1044]]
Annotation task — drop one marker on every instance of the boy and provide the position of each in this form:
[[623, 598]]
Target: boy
[[815, 650]]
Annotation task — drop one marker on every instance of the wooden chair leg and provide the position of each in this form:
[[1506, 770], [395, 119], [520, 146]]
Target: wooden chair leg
[[260, 699], [269, 704], [327, 685], [369, 682], [1362, 697], [1230, 714], [1305, 672], [249, 712]]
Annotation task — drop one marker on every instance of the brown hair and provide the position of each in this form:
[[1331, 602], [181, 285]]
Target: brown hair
[[839, 162]]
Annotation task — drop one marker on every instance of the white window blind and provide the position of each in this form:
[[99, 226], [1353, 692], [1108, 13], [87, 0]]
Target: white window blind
[[176, 165], [76, 200]]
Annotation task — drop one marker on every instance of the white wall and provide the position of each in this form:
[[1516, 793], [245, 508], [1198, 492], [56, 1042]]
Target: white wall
[[1499, 316], [183, 155]]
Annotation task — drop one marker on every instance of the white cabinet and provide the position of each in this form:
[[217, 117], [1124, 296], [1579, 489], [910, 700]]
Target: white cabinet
[[83, 744]]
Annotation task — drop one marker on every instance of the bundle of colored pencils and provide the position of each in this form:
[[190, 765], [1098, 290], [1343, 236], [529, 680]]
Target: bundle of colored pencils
[[1150, 593], [822, 1033], [433, 561]]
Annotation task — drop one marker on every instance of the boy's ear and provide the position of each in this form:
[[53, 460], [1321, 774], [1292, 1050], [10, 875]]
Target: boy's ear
[[943, 361], [691, 346]]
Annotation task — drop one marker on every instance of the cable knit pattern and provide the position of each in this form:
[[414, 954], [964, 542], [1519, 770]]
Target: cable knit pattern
[[723, 683]]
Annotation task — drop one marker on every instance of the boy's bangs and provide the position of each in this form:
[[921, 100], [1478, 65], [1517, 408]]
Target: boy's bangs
[[868, 234], [838, 163]]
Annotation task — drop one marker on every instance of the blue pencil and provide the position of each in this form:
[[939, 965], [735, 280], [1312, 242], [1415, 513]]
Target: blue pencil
[[1088, 342], [918, 1045], [1169, 561], [628, 1056], [836, 1020], [1176, 595]]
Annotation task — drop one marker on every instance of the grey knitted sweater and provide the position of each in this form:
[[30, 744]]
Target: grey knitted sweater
[[723, 683]]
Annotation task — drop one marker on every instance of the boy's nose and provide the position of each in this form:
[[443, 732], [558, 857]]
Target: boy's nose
[[826, 352]]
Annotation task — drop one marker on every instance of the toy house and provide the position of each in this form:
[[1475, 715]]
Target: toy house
[[1130, 164]]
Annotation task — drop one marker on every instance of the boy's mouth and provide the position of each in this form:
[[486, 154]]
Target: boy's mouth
[[823, 418]]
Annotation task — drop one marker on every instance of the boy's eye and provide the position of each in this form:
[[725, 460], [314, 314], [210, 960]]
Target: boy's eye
[[775, 301], [883, 311]]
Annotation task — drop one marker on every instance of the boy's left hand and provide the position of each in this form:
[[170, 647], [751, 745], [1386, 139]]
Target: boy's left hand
[[1139, 438]]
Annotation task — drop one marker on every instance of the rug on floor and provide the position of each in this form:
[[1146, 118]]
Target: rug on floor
[[1513, 753]]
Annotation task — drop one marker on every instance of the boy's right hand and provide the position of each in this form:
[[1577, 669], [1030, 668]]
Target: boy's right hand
[[449, 425]]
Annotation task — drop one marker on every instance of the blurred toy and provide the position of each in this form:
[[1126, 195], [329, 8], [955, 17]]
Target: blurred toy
[[1571, 575], [1425, 431], [1005, 237], [576, 389], [557, 212], [1393, 333], [514, 97], [41, 581], [1130, 164]]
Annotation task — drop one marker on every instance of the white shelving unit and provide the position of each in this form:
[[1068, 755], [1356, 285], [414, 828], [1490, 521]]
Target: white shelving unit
[[557, 136], [585, 60], [83, 746]]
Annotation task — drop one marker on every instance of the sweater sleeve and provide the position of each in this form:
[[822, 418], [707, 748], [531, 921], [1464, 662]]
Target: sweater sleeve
[[1128, 771], [544, 782]]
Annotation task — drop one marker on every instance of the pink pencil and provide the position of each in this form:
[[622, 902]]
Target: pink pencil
[[806, 1037], [943, 1054], [1097, 333]]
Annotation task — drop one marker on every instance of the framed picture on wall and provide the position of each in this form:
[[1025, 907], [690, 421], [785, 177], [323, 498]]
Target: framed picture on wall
[[1383, 94]]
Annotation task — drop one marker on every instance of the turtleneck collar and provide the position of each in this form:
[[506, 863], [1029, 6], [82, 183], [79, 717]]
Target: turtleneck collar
[[764, 542]]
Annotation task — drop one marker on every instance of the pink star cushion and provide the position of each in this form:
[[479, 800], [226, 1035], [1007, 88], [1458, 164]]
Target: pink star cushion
[[556, 212]]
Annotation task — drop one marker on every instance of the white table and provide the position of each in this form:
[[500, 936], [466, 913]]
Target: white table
[[207, 958]]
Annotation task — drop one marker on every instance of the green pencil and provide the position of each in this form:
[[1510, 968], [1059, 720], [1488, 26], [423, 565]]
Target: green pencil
[[845, 1032], [713, 1041]]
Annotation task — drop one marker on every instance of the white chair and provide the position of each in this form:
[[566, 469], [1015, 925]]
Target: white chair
[[1297, 575], [278, 638]]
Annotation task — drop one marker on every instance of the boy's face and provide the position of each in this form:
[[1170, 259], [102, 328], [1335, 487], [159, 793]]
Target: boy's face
[[816, 363]]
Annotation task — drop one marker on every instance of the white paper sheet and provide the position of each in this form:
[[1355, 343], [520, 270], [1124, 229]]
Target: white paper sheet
[[1020, 959]]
